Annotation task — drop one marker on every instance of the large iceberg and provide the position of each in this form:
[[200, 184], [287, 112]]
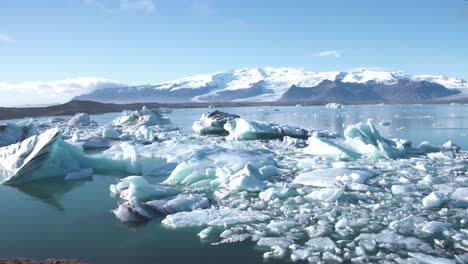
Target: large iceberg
[[39, 156], [241, 129], [213, 123], [12, 133], [144, 116], [365, 139]]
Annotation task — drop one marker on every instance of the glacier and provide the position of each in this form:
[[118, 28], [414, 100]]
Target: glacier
[[256, 85]]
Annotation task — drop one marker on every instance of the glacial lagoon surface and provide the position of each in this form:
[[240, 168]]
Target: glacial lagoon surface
[[375, 209]]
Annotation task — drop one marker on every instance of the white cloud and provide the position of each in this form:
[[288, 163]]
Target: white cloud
[[61, 91], [138, 5], [329, 53], [4, 38]]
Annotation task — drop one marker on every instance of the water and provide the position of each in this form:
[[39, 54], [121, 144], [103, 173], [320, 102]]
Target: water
[[74, 220]]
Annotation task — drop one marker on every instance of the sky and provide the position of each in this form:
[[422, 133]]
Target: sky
[[47, 45]]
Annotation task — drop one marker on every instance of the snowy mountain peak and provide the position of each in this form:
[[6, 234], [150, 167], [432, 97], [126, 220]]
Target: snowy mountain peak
[[255, 84]]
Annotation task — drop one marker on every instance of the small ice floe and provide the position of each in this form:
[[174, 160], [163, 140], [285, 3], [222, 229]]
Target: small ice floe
[[144, 116], [213, 123], [13, 133], [334, 106], [333, 177]]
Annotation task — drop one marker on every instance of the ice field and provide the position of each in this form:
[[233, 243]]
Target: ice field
[[317, 184]]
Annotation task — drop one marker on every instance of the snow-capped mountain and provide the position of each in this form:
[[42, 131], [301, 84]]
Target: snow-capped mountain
[[252, 84]]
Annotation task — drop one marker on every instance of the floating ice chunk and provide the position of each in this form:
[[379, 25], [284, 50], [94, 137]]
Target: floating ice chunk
[[318, 231], [213, 122], [428, 259], [326, 195], [80, 119], [395, 240], [459, 198], [326, 147], [76, 137], [365, 139], [206, 233], [39, 156], [111, 133], [427, 147], [275, 193], [78, 175], [275, 241], [321, 244], [241, 129], [433, 227], [342, 223], [134, 210], [277, 252], [213, 217], [334, 106], [139, 188], [449, 145], [434, 200], [332, 177], [402, 189], [180, 203], [141, 117], [247, 179], [441, 156], [280, 226], [11, 133], [131, 211], [144, 134]]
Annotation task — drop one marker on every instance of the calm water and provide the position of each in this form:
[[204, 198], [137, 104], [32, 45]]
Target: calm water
[[74, 220]]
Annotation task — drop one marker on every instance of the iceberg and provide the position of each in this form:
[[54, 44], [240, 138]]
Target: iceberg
[[365, 139], [141, 117], [213, 123], [248, 179], [12, 133], [334, 106], [80, 119], [241, 129], [39, 156]]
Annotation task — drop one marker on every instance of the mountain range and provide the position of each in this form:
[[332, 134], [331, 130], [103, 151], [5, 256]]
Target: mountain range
[[289, 84]]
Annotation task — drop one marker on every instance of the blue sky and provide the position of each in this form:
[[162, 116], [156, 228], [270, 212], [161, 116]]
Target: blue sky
[[145, 41]]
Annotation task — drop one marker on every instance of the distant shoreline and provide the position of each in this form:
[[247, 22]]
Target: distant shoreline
[[91, 107]]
